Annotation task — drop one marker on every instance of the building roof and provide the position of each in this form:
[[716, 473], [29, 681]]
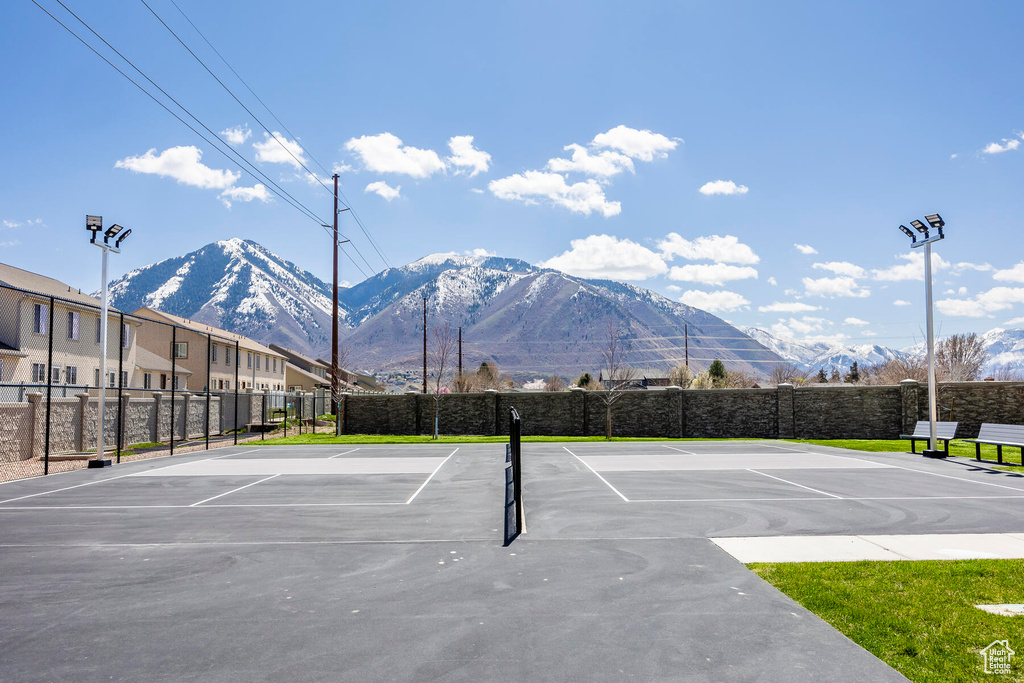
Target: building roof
[[297, 358], [147, 360], [47, 286], [243, 341], [292, 367]]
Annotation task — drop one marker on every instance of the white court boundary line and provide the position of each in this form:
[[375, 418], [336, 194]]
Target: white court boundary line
[[227, 493], [436, 470], [793, 483], [100, 481], [680, 449], [341, 454], [617, 492]]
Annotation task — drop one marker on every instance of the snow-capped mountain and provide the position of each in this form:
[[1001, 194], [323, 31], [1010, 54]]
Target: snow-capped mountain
[[813, 356], [1005, 349], [239, 286], [524, 318]]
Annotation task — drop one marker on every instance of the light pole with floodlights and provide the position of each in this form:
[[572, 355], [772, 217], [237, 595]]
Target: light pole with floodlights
[[94, 224], [934, 221]]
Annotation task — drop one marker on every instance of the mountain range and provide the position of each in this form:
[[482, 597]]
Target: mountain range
[[525, 319]]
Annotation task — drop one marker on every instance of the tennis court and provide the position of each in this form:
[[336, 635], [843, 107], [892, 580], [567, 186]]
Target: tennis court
[[387, 562]]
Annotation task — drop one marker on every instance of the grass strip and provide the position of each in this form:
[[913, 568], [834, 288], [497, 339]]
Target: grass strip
[[918, 617]]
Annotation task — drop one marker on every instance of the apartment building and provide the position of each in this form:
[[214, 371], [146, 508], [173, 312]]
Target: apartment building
[[33, 308], [304, 373], [233, 360]]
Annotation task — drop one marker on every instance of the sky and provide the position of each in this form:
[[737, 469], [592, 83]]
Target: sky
[[751, 159]]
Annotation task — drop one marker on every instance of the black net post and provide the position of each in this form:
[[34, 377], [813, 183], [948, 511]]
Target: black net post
[[49, 390], [237, 355], [515, 519], [209, 387], [286, 415], [121, 341], [174, 353]]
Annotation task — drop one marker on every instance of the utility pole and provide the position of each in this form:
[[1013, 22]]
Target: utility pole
[[335, 385], [686, 336], [460, 353], [424, 345]]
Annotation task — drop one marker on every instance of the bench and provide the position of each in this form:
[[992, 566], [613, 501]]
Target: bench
[[999, 435], [944, 431]]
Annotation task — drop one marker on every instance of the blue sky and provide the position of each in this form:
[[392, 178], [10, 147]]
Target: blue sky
[[753, 159]]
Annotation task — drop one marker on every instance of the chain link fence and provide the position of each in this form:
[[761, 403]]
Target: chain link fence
[[166, 388]]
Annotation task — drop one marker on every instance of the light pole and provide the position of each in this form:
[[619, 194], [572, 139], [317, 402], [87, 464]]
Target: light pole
[[94, 224], [934, 221]]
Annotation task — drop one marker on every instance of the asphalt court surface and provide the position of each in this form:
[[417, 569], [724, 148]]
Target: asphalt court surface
[[385, 562]]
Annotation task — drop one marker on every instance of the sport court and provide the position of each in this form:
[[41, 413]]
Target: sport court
[[386, 562]]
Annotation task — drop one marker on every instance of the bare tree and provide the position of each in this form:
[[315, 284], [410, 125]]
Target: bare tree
[[1008, 373], [895, 370], [616, 374], [680, 376], [464, 383], [786, 373], [442, 347], [554, 383], [960, 358]]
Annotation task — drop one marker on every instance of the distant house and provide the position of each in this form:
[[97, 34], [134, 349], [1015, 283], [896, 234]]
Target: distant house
[[40, 304], [304, 373], [230, 355], [154, 373]]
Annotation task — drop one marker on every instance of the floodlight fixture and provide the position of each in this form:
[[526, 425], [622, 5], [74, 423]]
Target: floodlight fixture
[[919, 226], [94, 224], [112, 231], [121, 238], [909, 233], [935, 220]]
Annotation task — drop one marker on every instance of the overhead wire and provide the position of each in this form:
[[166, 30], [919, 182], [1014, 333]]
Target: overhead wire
[[278, 190]]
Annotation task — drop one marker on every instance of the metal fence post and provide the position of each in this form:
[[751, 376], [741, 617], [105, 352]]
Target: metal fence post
[[120, 386], [209, 387], [174, 340], [49, 389], [263, 416], [236, 393]]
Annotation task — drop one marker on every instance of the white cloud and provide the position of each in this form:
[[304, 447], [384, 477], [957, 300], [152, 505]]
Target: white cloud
[[727, 249], [772, 281], [856, 321], [715, 302], [805, 328], [722, 187], [834, 286], [384, 190], [279, 150], [481, 252], [341, 168], [606, 256], [476, 190], [245, 194], [184, 165], [1015, 274], [604, 164], [901, 302], [11, 243], [913, 269], [1015, 321], [711, 274], [841, 268], [11, 224], [674, 288], [385, 153], [959, 268], [466, 156], [638, 144], [583, 197], [985, 303], [787, 307], [953, 156], [236, 135], [806, 249], [1008, 144]]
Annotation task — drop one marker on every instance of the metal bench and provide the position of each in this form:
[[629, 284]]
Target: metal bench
[[944, 431], [999, 435]]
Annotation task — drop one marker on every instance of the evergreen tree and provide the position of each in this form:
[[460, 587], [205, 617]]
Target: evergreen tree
[[717, 370], [834, 377], [584, 380], [822, 377], [853, 375]]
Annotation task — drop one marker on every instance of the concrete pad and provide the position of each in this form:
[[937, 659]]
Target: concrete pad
[[266, 467], [1009, 610], [804, 549], [953, 546], [732, 461]]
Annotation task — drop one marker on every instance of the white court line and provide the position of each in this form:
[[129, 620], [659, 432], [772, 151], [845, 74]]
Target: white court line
[[948, 476], [827, 500], [596, 473], [100, 481], [220, 495], [185, 507], [341, 454], [436, 470], [793, 483], [680, 450]]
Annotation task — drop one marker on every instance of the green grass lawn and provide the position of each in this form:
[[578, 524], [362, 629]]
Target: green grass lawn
[[918, 617], [957, 447]]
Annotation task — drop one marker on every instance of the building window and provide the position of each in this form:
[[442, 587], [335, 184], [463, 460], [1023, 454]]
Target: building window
[[96, 377], [249, 363], [71, 375], [73, 325], [39, 316], [126, 335], [181, 349], [147, 380], [38, 372], [163, 381], [275, 365], [55, 374], [99, 327], [213, 353], [227, 355], [111, 379], [257, 361], [124, 378], [174, 385]]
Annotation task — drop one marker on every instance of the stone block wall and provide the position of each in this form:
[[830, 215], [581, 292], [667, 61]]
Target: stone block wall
[[16, 431], [847, 412]]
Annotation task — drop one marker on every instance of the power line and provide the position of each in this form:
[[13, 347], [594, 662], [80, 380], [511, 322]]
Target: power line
[[279, 191]]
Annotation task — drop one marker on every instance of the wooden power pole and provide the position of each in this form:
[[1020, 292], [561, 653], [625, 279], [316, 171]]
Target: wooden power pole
[[424, 345]]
